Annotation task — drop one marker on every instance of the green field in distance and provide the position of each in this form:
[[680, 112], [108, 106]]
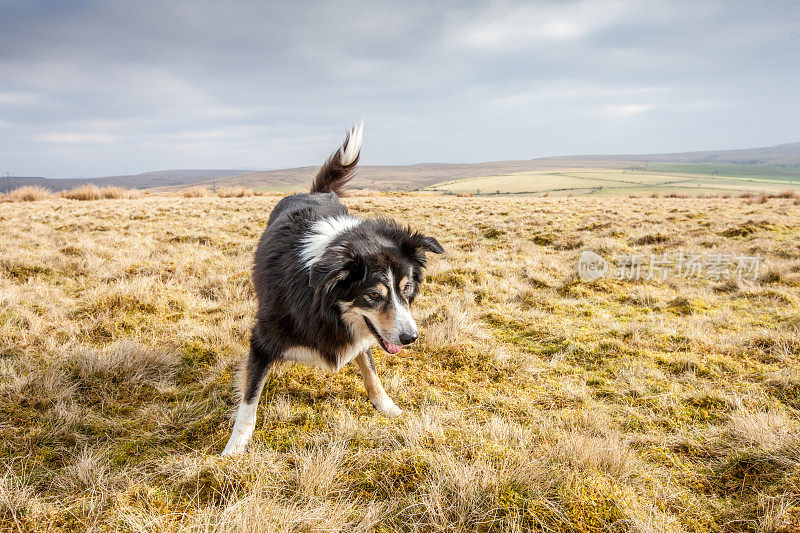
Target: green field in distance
[[658, 178]]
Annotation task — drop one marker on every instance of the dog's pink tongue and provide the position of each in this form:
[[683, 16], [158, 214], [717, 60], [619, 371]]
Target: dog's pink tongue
[[393, 348]]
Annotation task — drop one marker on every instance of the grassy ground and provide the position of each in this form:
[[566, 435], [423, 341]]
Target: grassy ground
[[660, 179], [532, 401]]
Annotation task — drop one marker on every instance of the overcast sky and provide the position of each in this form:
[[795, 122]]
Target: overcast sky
[[102, 88]]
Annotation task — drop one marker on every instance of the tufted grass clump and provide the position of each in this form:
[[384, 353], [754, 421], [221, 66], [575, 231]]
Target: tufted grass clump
[[93, 192], [195, 192], [234, 192], [28, 193]]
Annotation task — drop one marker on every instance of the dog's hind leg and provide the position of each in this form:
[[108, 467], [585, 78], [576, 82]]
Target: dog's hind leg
[[254, 376], [372, 382]]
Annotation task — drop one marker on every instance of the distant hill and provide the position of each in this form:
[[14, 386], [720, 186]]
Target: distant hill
[[11, 183], [396, 178], [412, 177], [165, 178], [146, 180], [782, 154]]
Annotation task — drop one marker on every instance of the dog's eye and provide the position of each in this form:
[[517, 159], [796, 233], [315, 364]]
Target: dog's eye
[[374, 295], [406, 289]]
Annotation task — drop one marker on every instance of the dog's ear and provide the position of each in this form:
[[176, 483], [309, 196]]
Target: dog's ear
[[431, 245], [336, 265], [417, 244]]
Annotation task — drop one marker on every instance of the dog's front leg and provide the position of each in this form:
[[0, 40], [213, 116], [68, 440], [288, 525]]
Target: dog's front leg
[[372, 382], [254, 374]]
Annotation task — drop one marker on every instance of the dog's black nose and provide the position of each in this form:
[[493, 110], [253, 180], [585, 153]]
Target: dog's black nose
[[408, 338]]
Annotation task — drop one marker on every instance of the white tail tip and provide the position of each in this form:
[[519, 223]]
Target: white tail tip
[[352, 145]]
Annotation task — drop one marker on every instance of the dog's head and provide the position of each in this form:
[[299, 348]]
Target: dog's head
[[368, 279]]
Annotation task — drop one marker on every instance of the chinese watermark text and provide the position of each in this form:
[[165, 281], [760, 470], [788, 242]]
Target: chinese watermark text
[[637, 267]]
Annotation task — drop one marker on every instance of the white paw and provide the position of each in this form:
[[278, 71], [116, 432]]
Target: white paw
[[387, 407], [235, 446]]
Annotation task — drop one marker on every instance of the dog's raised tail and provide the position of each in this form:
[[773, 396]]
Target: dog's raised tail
[[339, 167]]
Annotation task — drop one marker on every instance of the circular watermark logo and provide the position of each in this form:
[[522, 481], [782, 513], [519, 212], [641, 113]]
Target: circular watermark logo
[[591, 266]]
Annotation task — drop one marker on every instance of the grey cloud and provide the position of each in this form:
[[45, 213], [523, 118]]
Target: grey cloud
[[117, 87]]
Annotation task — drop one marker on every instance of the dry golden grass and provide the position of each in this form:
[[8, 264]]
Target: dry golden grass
[[195, 192], [532, 401], [93, 192], [27, 193], [234, 192]]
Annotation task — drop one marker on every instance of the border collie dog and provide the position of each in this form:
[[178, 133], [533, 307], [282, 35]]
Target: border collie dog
[[329, 287]]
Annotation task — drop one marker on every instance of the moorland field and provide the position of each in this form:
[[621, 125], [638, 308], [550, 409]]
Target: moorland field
[[533, 401]]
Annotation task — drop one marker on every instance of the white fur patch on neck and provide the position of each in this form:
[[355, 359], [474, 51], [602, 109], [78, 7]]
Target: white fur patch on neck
[[322, 234]]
